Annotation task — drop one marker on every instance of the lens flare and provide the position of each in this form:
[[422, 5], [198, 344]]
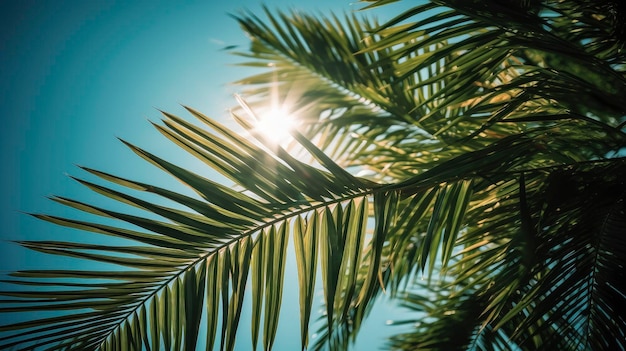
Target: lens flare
[[276, 125]]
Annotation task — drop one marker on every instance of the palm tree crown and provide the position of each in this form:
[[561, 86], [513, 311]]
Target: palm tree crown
[[465, 157]]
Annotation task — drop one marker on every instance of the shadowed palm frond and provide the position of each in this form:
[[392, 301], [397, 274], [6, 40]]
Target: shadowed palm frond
[[538, 277]]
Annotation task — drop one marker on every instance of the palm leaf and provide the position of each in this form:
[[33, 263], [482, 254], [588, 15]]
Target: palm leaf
[[202, 253]]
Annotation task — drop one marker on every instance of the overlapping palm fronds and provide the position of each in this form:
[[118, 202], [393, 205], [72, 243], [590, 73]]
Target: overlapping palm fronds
[[487, 140], [531, 268]]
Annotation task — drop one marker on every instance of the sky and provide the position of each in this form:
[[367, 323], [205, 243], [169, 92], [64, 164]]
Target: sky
[[76, 75]]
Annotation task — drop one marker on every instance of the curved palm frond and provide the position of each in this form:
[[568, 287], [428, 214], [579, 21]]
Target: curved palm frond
[[510, 65], [201, 253]]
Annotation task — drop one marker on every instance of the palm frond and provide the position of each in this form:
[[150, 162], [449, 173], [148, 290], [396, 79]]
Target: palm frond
[[200, 252], [537, 277]]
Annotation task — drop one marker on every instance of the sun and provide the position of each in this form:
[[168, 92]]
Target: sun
[[276, 124]]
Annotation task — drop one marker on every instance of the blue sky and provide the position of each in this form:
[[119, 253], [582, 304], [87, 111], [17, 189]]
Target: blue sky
[[77, 74]]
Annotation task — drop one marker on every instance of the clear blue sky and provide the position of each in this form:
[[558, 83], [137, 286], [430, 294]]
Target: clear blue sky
[[74, 75]]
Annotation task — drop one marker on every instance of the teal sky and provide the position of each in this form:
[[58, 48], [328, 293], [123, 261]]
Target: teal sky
[[74, 75]]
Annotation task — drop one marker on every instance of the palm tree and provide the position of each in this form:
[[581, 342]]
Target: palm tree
[[464, 157]]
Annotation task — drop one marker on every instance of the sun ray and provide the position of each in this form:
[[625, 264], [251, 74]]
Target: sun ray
[[276, 124]]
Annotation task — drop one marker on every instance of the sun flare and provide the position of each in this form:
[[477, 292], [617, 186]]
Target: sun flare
[[276, 124]]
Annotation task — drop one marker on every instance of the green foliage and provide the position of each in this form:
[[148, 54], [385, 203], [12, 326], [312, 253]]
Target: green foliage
[[466, 157]]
